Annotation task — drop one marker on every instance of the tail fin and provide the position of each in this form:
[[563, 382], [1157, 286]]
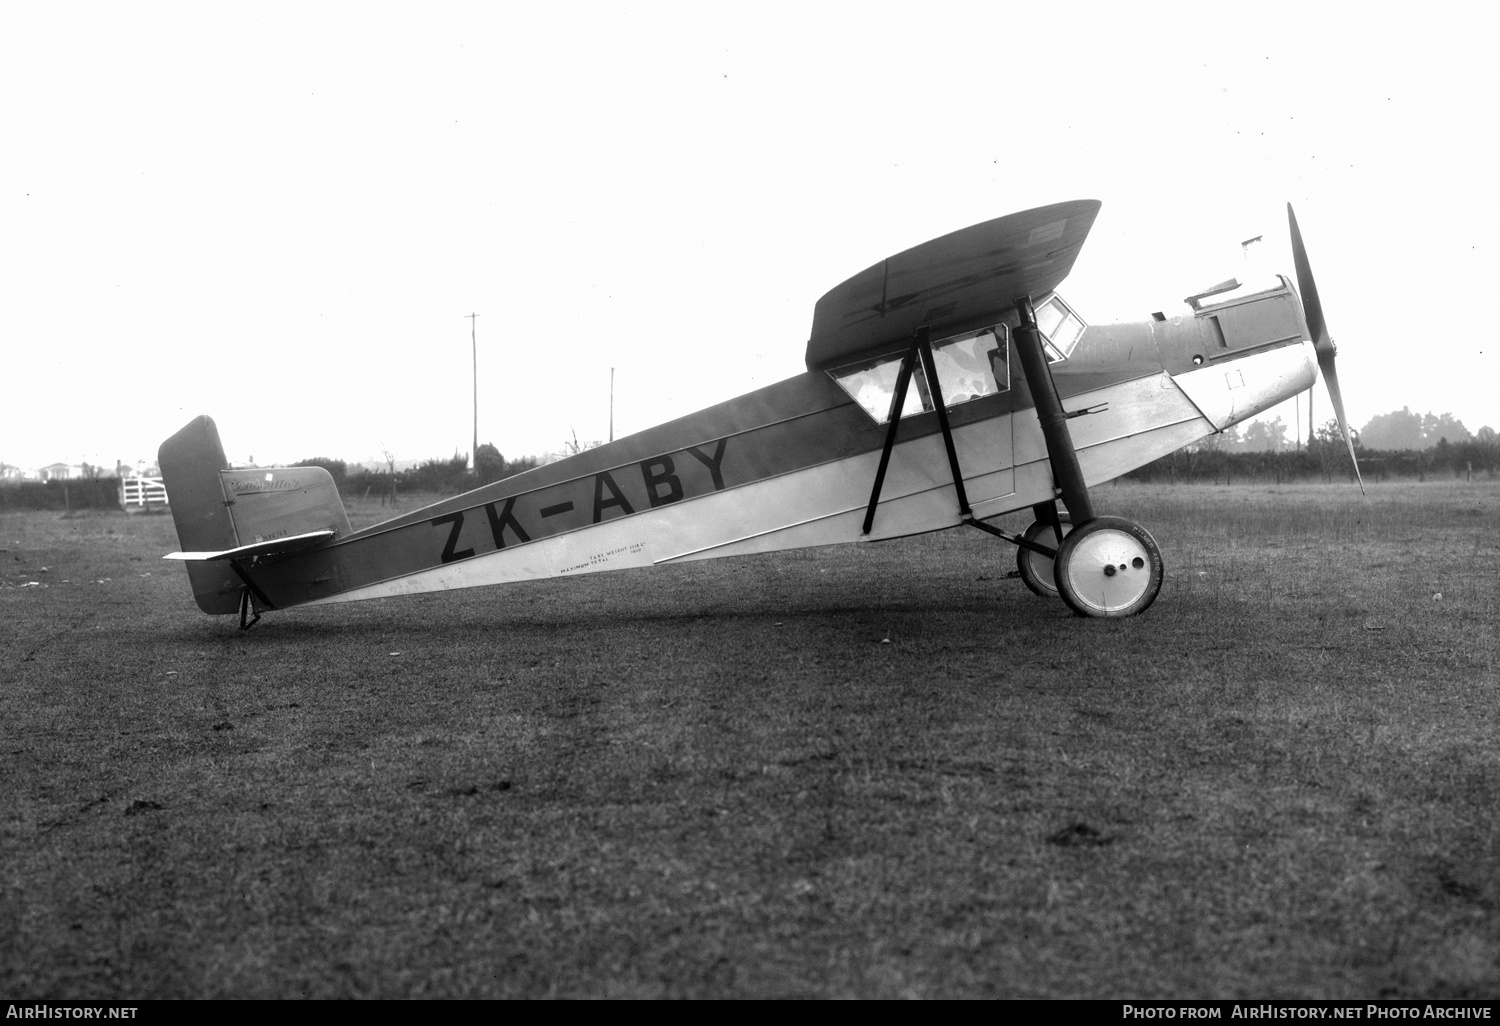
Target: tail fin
[[190, 462], [217, 509]]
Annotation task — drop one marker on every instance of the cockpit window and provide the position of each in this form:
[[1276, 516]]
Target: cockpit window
[[969, 366], [1061, 326]]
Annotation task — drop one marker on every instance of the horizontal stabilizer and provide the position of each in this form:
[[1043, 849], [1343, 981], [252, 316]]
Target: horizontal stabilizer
[[293, 543]]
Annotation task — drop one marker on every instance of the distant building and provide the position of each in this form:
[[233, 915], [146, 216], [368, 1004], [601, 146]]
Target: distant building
[[60, 472]]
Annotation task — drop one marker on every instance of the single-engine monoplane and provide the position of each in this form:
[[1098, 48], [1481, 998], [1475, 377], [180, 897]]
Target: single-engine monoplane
[[945, 386]]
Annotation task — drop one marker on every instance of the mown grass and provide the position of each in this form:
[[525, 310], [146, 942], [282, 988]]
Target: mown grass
[[869, 771]]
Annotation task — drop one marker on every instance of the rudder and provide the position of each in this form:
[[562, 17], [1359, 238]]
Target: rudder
[[191, 462]]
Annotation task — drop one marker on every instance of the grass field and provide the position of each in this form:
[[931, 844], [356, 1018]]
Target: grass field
[[871, 771]]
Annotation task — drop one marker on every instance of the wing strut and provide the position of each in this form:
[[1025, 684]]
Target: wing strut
[[965, 513], [898, 403], [921, 349]]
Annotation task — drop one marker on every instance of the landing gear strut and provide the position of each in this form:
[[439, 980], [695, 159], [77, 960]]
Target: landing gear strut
[[1101, 566], [1105, 566]]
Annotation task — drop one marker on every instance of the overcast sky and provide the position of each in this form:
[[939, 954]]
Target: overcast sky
[[280, 214]]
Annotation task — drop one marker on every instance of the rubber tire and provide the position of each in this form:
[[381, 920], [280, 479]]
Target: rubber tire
[[1036, 569], [1108, 567]]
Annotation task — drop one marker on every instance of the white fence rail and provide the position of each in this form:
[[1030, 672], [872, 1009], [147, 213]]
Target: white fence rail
[[138, 493]]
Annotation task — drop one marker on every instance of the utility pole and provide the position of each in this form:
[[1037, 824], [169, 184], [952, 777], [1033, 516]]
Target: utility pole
[[474, 344], [1310, 392]]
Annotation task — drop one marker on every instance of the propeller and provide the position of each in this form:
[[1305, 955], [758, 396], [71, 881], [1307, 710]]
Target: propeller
[[1317, 327]]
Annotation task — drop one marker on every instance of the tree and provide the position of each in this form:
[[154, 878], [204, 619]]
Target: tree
[[489, 465], [573, 447], [1329, 434], [390, 470], [1436, 429], [337, 469], [1227, 440], [1403, 429], [448, 475], [520, 466], [1266, 435], [1328, 448], [1400, 429]]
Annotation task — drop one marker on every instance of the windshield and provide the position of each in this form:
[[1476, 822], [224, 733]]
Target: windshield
[[1061, 325]]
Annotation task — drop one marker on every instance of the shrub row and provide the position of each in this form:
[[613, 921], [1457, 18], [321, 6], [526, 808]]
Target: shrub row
[[1322, 461], [84, 493]]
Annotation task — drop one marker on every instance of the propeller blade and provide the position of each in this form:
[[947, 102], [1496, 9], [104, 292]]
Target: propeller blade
[[1311, 305], [1317, 327], [1331, 379]]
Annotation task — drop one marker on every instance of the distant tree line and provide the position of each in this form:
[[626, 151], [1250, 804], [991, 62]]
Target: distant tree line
[[1223, 459], [1400, 444], [433, 476]]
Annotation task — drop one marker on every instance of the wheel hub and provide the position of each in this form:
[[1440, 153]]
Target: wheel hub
[[1109, 567]]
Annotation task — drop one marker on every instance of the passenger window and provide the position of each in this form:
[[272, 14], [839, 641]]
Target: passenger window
[[872, 384], [970, 366]]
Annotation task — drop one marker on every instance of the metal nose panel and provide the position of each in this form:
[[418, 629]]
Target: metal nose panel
[[1227, 391]]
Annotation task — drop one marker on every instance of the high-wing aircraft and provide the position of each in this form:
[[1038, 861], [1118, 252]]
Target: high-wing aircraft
[[945, 386]]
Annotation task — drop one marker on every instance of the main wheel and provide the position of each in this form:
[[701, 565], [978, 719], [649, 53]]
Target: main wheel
[[1035, 568], [1108, 566]]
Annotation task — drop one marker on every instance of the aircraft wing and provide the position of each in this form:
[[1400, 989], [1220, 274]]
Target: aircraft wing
[[291, 543], [960, 282]]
